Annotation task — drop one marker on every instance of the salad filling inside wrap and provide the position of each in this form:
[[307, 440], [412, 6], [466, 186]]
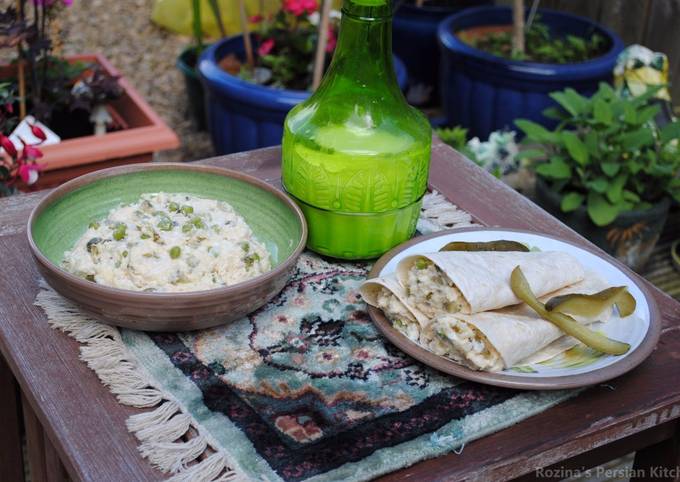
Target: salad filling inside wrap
[[473, 282], [389, 296], [496, 340]]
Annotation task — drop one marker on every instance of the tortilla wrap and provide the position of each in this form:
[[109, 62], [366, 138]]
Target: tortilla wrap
[[495, 340], [473, 282], [398, 310]]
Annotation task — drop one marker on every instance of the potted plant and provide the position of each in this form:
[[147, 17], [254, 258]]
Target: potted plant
[[247, 100], [607, 169], [487, 82], [188, 59], [414, 40], [94, 117]]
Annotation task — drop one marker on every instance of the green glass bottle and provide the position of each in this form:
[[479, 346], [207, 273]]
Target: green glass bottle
[[356, 156]]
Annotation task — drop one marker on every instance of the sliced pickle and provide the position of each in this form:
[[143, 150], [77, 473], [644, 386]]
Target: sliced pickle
[[501, 245], [520, 286], [593, 305]]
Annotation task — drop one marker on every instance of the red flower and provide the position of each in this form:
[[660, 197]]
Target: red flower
[[30, 152], [332, 40], [29, 172], [298, 7], [8, 146], [256, 18], [266, 47], [38, 132]]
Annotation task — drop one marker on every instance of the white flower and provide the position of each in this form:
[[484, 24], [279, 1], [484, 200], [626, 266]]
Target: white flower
[[316, 16], [499, 153]]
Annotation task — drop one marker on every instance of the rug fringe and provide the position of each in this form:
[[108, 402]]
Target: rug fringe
[[212, 468], [437, 213], [159, 431], [172, 456]]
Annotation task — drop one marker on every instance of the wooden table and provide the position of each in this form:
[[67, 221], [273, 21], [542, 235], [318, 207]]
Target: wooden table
[[70, 417]]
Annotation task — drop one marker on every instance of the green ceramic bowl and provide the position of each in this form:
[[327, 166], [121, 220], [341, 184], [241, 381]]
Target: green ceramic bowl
[[63, 216]]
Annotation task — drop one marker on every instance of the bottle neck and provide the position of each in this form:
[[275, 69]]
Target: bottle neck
[[364, 50]]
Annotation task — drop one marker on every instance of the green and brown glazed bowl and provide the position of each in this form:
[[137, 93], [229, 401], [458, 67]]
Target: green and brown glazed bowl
[[63, 216]]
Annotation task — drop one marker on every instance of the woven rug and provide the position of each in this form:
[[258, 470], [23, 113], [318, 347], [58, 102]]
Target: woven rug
[[303, 389]]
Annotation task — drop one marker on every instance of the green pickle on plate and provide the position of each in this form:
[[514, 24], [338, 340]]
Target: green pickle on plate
[[356, 156], [501, 245], [520, 286]]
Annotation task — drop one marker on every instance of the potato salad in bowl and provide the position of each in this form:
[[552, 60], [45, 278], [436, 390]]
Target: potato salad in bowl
[[168, 243]]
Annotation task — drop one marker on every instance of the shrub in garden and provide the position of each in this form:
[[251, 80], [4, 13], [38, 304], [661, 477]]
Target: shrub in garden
[[287, 43], [607, 153]]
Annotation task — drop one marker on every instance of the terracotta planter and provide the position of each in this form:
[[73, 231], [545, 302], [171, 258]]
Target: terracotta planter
[[144, 133], [630, 238]]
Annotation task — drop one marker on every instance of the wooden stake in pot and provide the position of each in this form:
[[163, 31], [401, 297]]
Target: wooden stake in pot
[[21, 78], [22, 86], [217, 13], [247, 42], [320, 57], [518, 27]]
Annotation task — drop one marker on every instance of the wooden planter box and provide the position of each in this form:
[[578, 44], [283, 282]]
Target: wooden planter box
[[144, 133]]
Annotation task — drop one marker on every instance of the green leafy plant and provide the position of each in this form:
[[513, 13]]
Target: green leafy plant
[[49, 79], [606, 153], [197, 26], [455, 136], [542, 46]]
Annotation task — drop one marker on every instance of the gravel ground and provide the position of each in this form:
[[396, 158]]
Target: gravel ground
[[145, 54]]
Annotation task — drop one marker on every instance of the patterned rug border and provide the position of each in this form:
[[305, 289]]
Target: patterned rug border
[[449, 438]]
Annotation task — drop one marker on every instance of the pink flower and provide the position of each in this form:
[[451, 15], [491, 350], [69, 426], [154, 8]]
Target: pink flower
[[310, 6], [332, 40], [30, 152], [256, 18], [298, 7], [266, 47], [8, 146], [29, 173], [38, 132]]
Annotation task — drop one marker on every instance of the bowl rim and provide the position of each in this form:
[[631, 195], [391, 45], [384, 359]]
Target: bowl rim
[[86, 179]]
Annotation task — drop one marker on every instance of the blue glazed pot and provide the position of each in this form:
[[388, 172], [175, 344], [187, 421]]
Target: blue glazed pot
[[186, 63], [241, 115], [485, 93], [414, 40]]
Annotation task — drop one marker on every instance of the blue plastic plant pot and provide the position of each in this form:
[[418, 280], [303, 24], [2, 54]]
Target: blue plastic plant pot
[[414, 41], [241, 115], [484, 92]]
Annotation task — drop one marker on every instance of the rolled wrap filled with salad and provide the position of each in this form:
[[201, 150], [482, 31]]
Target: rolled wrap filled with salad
[[473, 282], [388, 295]]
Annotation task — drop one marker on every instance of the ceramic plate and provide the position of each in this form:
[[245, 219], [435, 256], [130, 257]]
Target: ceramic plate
[[579, 366]]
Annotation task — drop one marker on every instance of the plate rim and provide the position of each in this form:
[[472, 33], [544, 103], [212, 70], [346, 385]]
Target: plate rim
[[499, 379]]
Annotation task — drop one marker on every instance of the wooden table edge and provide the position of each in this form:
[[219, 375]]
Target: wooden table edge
[[662, 411]]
